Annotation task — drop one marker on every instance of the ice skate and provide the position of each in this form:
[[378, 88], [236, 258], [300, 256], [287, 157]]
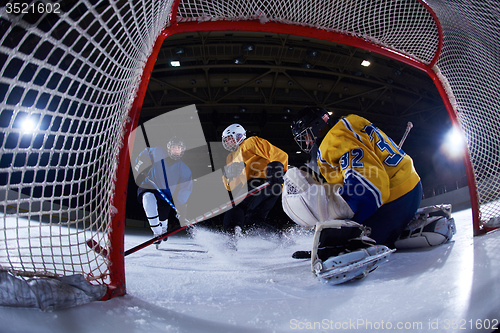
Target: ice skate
[[231, 244], [352, 265], [164, 228], [342, 252], [158, 242]]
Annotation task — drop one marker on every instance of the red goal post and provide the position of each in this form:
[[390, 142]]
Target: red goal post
[[80, 76]]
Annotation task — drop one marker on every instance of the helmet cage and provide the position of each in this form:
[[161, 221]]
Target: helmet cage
[[306, 139], [309, 124], [173, 153], [233, 136]]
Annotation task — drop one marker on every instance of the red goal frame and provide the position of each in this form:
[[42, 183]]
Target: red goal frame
[[117, 275]]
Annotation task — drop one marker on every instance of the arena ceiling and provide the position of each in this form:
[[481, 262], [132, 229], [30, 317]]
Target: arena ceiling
[[261, 80]]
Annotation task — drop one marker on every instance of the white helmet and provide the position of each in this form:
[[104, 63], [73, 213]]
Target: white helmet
[[233, 136]]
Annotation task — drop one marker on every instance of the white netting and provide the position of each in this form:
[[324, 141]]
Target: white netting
[[470, 62], [404, 26], [72, 71]]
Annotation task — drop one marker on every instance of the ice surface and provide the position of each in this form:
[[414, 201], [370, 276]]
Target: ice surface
[[260, 288]]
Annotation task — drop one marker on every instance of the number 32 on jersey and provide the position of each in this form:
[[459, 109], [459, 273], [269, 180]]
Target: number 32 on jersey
[[384, 144]]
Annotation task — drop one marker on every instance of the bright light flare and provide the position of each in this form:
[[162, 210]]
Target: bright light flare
[[28, 125], [454, 144]]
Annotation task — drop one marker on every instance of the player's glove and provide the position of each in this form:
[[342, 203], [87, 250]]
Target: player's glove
[[142, 165], [233, 170], [275, 172]]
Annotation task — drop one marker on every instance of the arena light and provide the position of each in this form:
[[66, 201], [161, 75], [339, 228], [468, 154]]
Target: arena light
[[306, 65], [454, 144], [175, 63], [365, 63], [312, 53], [247, 47], [28, 125], [239, 61]]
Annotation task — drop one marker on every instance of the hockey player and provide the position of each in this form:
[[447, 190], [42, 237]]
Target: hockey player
[[164, 175], [251, 163], [371, 188]]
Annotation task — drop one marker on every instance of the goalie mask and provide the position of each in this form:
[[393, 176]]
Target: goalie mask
[[233, 136], [175, 148], [309, 125]]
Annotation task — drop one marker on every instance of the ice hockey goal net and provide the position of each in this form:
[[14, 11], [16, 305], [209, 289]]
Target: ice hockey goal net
[[73, 76]]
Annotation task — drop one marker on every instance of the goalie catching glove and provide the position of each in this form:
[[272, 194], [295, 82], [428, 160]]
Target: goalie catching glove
[[308, 202]]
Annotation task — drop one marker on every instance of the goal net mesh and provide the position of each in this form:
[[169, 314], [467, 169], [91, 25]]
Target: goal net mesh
[[69, 74], [470, 63], [68, 80]]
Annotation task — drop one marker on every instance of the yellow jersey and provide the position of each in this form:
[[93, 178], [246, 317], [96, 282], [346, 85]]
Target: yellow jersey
[[256, 153], [372, 169]]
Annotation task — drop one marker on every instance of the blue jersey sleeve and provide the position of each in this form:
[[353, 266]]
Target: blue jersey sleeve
[[361, 195]]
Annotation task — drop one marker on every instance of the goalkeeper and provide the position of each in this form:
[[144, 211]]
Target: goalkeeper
[[371, 189]]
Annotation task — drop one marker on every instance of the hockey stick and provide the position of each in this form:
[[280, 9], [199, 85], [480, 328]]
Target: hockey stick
[[301, 255], [408, 128], [198, 219], [165, 198], [183, 250], [104, 252], [155, 239], [97, 248]]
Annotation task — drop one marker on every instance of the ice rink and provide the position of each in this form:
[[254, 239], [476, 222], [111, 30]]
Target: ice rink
[[261, 288]]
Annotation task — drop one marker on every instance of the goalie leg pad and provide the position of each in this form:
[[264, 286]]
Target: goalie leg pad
[[431, 226]]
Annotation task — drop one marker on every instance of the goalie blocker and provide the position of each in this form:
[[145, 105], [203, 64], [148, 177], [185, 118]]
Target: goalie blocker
[[342, 250]]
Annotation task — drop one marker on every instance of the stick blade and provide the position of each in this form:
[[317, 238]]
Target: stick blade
[[97, 248]]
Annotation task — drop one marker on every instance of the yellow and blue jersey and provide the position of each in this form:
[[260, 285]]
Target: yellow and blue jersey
[[372, 169]]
